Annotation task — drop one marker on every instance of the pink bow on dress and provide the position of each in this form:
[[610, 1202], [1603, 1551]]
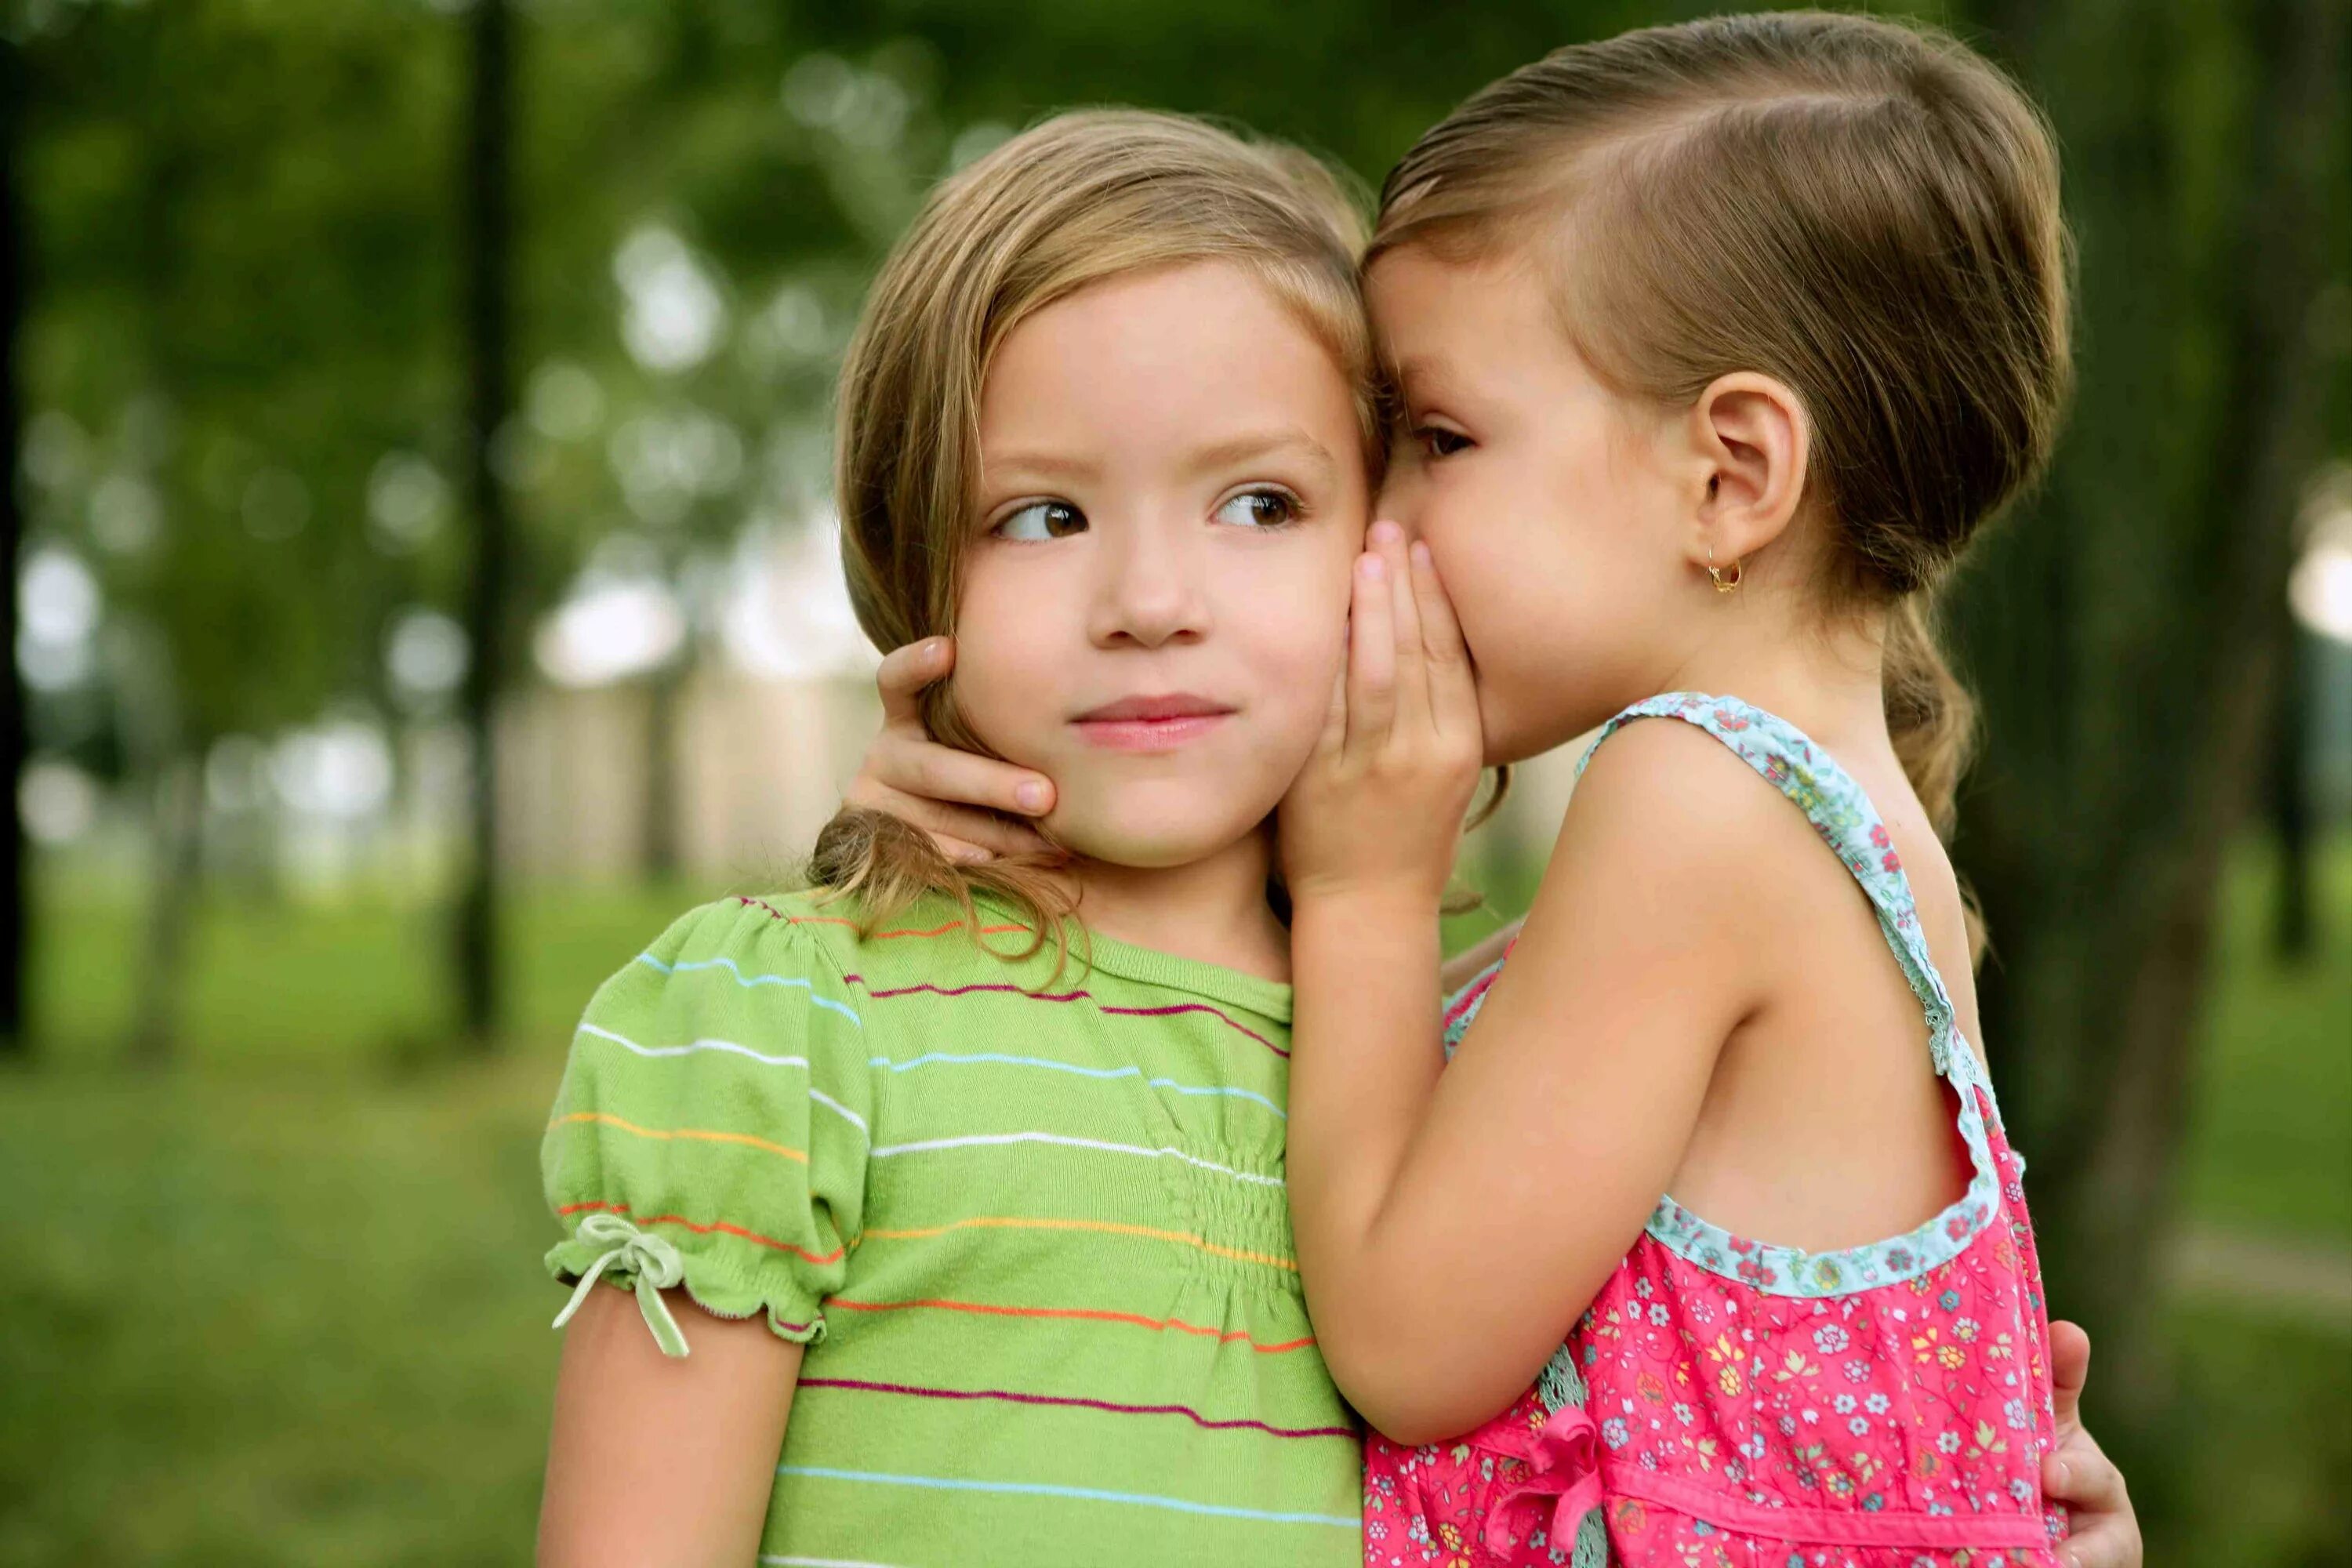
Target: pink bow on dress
[[1564, 1460]]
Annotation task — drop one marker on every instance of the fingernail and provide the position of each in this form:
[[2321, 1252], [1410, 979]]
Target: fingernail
[[2065, 1475], [1420, 554], [973, 857], [932, 648], [1031, 795], [1384, 532]]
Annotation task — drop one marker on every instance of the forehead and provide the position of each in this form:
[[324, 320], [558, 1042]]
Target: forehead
[[1439, 321], [1195, 346]]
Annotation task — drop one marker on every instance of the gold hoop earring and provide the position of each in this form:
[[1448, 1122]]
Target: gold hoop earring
[[1725, 582]]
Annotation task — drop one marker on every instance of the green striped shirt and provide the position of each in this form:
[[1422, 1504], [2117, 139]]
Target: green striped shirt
[[1033, 1229]]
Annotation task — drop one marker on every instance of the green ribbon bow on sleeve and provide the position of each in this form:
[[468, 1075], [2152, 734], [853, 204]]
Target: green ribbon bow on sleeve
[[628, 1250]]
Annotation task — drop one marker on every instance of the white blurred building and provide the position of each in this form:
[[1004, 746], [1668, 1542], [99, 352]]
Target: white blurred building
[[754, 741]]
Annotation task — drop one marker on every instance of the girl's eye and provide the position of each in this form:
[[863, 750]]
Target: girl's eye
[[1042, 520], [1440, 443], [1260, 508]]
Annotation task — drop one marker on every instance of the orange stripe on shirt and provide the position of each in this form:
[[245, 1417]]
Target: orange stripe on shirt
[[1085, 1314], [718, 1226], [607, 1119], [995, 1221]]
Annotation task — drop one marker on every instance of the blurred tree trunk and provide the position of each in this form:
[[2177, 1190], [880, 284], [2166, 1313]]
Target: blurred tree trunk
[[665, 691], [179, 825], [14, 248], [2123, 634], [486, 195], [171, 759], [2294, 929]]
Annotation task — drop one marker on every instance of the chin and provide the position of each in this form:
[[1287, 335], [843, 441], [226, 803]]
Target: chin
[[1507, 739], [1140, 835], [1518, 737]]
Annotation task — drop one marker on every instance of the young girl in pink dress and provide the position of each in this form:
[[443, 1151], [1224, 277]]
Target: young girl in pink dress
[[1714, 346]]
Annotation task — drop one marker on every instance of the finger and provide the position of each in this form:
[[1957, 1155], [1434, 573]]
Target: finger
[[1452, 689], [2078, 1475], [906, 671], [930, 770], [2105, 1531], [2109, 1542], [964, 824], [1387, 540], [2070, 1367], [941, 818], [1371, 656], [961, 852], [1333, 738]]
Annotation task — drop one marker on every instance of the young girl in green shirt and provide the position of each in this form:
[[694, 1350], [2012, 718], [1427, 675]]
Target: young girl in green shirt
[[948, 1257]]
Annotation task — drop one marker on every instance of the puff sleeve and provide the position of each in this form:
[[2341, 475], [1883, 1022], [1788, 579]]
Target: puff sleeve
[[712, 1126]]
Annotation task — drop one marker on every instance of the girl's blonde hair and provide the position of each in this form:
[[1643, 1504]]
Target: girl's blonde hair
[[1864, 210], [1082, 198]]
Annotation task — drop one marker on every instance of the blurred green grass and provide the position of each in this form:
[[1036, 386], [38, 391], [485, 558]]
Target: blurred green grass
[[283, 1304], [2266, 1149]]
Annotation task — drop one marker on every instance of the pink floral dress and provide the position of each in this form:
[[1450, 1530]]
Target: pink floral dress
[[1732, 1403]]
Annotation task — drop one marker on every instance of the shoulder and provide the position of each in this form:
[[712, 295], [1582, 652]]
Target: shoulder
[[831, 937], [786, 926], [1673, 798], [808, 924], [1674, 843], [732, 962]]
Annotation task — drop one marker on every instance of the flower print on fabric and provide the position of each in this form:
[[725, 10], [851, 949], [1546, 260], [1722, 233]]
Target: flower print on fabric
[[1730, 1402]]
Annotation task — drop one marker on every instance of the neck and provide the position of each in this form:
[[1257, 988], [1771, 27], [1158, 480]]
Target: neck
[[1212, 909], [1775, 650]]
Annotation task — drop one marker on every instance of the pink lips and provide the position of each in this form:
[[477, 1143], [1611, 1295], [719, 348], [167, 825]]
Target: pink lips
[[1151, 723]]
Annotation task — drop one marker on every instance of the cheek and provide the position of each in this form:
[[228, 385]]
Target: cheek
[[1006, 659], [1539, 584], [1539, 552], [1502, 564], [1296, 679], [1295, 638]]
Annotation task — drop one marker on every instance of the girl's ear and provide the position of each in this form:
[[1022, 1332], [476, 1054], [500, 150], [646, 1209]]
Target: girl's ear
[[1752, 439]]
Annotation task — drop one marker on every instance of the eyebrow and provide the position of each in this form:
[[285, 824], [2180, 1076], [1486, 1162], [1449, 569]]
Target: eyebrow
[[1231, 452], [1047, 465], [1423, 372], [1253, 445]]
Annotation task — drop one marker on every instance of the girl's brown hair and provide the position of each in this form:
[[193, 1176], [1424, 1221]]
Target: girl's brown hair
[[1082, 198], [1864, 210]]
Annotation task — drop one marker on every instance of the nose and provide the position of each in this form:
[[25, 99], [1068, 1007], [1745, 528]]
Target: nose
[[1150, 590]]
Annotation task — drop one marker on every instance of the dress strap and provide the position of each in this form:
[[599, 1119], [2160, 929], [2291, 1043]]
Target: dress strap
[[1461, 1009], [1841, 814]]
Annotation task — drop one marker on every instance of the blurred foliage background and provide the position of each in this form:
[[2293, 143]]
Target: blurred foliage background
[[415, 432]]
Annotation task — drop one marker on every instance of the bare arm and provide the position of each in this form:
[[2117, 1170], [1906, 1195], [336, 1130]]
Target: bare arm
[[1423, 1199], [661, 1463], [1584, 1073]]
